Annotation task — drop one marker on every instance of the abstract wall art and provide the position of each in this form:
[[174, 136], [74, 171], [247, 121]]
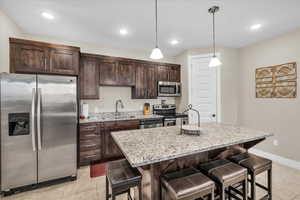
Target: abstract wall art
[[278, 81]]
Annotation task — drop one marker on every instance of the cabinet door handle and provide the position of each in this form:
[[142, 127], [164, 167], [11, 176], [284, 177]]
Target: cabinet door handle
[[88, 128], [92, 156], [90, 145], [90, 135], [45, 62]]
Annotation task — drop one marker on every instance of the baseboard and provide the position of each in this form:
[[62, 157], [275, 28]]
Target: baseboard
[[281, 160]]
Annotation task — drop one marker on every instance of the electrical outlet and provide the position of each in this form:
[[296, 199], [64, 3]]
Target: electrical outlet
[[275, 142]]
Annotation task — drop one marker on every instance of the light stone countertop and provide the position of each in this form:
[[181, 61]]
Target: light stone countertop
[[147, 146], [110, 116]]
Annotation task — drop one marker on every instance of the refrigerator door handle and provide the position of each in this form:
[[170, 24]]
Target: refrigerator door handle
[[39, 119], [33, 120]]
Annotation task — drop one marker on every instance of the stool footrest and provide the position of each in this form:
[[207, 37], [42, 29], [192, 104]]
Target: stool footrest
[[236, 191], [262, 186], [266, 197], [233, 196]]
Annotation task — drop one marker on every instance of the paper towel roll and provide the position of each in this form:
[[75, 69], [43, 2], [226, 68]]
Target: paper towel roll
[[85, 110]]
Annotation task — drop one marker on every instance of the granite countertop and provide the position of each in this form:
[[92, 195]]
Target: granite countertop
[[111, 116], [147, 146]]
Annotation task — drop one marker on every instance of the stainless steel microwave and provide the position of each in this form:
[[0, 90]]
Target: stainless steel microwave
[[169, 89]]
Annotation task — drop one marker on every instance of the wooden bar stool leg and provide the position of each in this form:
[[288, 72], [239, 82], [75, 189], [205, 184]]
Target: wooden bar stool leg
[[113, 196], [229, 193], [222, 193], [253, 186], [212, 195], [270, 183], [245, 189], [140, 191], [107, 189], [128, 195]]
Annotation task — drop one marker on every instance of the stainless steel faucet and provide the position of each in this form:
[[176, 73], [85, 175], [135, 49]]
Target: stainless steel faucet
[[119, 101]]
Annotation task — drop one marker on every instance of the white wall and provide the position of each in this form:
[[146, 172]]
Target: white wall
[[7, 29], [280, 116], [228, 81]]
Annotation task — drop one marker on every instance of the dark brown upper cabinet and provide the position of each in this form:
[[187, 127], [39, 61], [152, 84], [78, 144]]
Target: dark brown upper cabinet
[[108, 71], [151, 72], [28, 56], [163, 73], [64, 61], [175, 73], [141, 75], [168, 72], [126, 73], [89, 78], [146, 82], [115, 72]]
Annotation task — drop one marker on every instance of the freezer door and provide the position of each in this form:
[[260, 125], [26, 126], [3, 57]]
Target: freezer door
[[56, 127], [18, 155]]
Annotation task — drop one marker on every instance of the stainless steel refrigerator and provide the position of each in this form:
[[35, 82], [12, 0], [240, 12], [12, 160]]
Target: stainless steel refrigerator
[[38, 129]]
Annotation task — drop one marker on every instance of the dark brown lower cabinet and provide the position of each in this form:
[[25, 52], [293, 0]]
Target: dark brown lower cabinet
[[111, 149], [90, 143], [96, 143]]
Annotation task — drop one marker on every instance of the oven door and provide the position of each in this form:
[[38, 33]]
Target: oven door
[[166, 89]]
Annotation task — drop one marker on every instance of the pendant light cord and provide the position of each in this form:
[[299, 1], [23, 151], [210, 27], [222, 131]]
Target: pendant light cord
[[214, 37], [156, 43]]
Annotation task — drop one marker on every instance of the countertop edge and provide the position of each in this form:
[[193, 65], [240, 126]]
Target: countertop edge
[[116, 120], [189, 153]]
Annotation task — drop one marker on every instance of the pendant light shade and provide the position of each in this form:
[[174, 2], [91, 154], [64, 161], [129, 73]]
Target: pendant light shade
[[214, 62], [156, 52]]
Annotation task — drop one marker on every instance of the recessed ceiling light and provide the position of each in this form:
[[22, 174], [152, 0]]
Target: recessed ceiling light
[[255, 27], [47, 15], [123, 31], [174, 42]]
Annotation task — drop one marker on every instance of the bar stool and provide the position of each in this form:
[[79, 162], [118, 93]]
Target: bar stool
[[122, 177], [186, 184], [255, 165], [226, 174]]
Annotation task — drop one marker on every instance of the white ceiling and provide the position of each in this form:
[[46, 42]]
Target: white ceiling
[[99, 21]]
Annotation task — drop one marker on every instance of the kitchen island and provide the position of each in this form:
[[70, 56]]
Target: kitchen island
[[159, 150]]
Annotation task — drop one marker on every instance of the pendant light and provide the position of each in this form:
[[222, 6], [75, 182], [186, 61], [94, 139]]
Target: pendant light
[[156, 52], [214, 62]]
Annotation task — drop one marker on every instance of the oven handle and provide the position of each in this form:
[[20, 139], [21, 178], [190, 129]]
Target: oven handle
[[173, 119]]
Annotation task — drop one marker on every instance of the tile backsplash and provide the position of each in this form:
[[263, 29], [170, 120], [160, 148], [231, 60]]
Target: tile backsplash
[[109, 95]]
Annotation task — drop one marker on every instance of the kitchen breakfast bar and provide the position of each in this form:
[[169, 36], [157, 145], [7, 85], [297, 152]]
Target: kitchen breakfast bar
[[157, 151]]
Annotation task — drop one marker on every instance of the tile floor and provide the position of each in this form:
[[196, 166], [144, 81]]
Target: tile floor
[[286, 186]]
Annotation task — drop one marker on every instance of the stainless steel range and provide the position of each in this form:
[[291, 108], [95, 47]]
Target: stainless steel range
[[171, 117]]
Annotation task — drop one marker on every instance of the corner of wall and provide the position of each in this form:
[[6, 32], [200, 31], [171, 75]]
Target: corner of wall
[[8, 29]]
